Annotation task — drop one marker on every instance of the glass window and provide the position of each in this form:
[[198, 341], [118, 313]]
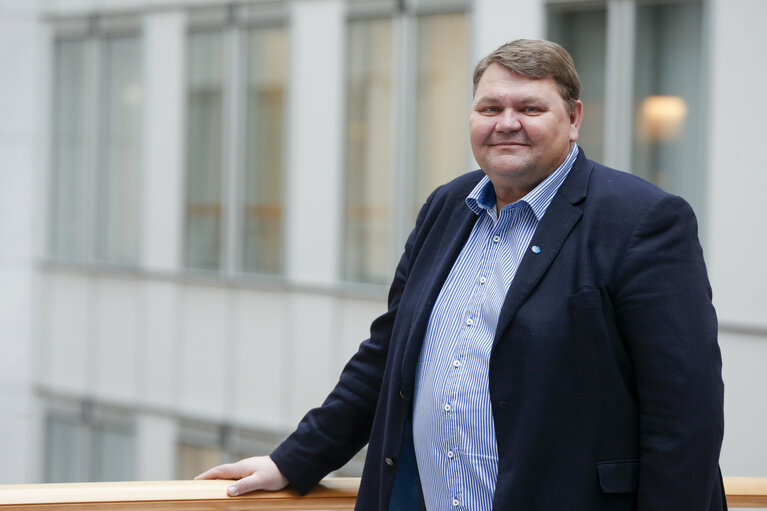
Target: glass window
[[442, 102], [70, 179], [369, 150], [206, 65], [436, 82], [96, 145], [66, 450], [583, 33], [262, 208], [113, 457], [195, 459], [86, 443], [667, 97], [120, 180]]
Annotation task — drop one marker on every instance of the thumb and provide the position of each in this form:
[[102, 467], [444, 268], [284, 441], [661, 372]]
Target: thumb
[[247, 484]]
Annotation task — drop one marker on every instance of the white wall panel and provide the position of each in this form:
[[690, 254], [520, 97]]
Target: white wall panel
[[737, 240], [205, 356], [158, 344], [312, 333], [355, 316], [67, 352], [115, 322], [156, 440], [744, 452], [259, 358]]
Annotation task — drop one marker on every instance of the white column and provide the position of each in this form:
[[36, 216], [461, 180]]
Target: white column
[[163, 41], [22, 196], [619, 91], [500, 21], [156, 440], [314, 141]]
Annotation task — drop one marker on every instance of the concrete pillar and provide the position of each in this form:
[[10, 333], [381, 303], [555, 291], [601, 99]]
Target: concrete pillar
[[164, 96], [499, 21], [22, 199], [313, 195]]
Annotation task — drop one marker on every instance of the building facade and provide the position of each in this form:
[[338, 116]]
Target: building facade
[[203, 200]]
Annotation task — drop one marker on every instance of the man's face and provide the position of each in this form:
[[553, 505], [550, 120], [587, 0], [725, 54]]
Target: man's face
[[520, 130]]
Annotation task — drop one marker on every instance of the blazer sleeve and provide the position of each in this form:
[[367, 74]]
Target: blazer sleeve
[[664, 312], [328, 436]]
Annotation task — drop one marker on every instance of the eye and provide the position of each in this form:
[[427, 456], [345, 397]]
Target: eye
[[489, 109], [531, 110]]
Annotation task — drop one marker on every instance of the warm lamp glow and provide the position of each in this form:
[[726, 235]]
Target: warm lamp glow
[[661, 118]]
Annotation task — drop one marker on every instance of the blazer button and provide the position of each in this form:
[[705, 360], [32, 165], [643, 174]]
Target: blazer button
[[389, 462], [402, 394]]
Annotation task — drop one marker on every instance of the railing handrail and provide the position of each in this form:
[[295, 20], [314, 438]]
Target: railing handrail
[[333, 493]]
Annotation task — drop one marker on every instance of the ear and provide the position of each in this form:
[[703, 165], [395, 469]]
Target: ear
[[576, 117]]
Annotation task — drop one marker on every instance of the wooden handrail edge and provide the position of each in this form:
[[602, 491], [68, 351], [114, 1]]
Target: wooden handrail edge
[[340, 492]]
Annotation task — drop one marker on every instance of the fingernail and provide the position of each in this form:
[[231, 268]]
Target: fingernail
[[232, 490]]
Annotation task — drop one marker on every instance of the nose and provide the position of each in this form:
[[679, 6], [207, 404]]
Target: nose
[[508, 121]]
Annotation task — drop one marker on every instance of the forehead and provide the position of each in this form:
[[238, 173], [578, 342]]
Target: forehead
[[498, 81]]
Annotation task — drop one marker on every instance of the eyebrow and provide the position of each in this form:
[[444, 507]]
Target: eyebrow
[[524, 100]]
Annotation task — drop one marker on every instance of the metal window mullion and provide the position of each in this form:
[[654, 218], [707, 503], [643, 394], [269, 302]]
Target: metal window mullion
[[94, 179], [619, 102], [234, 128], [404, 124]]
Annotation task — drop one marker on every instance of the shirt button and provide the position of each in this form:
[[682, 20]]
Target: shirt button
[[447, 408], [450, 454], [456, 502], [482, 280], [389, 462], [469, 321], [495, 239], [456, 363]]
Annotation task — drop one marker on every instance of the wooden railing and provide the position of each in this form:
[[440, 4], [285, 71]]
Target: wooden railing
[[333, 493]]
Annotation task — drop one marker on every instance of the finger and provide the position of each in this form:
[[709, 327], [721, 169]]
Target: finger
[[227, 471], [208, 474]]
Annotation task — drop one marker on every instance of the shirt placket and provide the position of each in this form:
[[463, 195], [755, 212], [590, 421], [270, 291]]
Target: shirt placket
[[452, 404]]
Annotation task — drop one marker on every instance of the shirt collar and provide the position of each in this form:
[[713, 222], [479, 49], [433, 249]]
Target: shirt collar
[[482, 197]]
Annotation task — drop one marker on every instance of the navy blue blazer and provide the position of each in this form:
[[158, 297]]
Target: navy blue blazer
[[605, 373]]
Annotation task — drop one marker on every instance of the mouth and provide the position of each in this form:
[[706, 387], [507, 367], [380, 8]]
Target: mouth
[[509, 144]]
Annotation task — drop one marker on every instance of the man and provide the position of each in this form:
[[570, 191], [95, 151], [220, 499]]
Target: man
[[550, 342]]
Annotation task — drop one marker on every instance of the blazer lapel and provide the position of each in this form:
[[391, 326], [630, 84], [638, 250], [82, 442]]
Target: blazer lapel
[[560, 218]]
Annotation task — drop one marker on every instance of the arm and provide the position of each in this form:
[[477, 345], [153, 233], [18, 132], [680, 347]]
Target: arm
[[664, 312], [328, 436]]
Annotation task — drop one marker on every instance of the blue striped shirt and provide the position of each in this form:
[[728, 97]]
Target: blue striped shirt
[[453, 430]]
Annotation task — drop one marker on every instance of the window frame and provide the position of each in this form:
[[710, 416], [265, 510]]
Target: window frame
[[405, 16], [619, 128], [234, 22], [94, 32]]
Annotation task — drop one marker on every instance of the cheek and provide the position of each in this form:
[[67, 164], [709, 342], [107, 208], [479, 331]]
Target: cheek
[[479, 130]]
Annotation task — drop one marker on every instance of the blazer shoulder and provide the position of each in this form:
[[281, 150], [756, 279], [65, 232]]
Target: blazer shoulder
[[611, 189], [461, 186], [452, 193]]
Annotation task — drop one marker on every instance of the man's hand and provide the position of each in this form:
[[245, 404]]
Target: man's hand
[[257, 473]]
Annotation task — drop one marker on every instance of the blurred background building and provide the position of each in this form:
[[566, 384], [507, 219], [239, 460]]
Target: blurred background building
[[201, 201]]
